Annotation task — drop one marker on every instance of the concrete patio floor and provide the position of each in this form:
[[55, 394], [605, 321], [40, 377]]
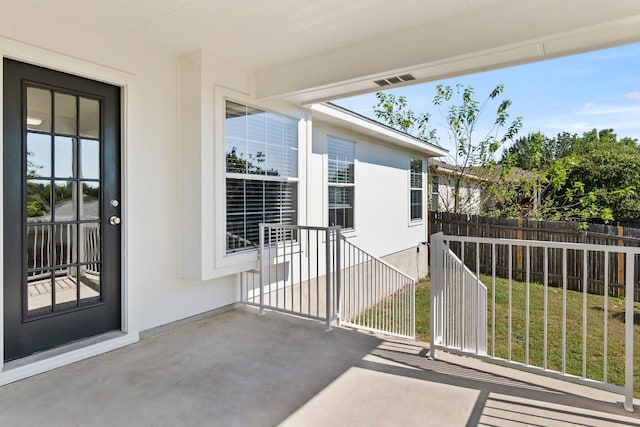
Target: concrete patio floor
[[240, 369]]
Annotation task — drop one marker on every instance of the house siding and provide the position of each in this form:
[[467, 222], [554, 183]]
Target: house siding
[[382, 223], [470, 194]]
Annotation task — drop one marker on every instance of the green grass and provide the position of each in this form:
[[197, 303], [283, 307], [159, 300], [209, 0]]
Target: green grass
[[574, 328]]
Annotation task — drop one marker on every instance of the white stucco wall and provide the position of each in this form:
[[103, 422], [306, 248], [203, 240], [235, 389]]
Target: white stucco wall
[[382, 223], [470, 195], [153, 292]]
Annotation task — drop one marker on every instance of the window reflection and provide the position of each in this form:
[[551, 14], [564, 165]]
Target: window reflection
[[65, 159], [65, 114], [90, 158], [90, 242], [38, 200], [38, 155], [39, 295], [66, 243], [89, 279], [90, 202], [38, 109], [260, 143], [62, 202], [66, 287], [89, 118], [39, 247], [65, 208]]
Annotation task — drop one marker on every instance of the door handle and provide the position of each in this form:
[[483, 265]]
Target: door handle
[[114, 220]]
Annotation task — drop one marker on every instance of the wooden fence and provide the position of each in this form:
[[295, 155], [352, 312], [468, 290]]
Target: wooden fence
[[555, 231]]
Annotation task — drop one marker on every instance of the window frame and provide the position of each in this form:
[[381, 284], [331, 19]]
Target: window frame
[[262, 178], [435, 195], [210, 182], [412, 189], [348, 185]]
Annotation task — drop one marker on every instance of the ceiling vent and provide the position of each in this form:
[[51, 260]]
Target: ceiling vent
[[394, 80]]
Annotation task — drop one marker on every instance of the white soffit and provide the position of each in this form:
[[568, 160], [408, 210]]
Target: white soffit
[[510, 33], [310, 50], [338, 116]]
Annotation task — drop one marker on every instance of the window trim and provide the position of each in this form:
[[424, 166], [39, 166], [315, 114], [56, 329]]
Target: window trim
[[352, 185], [416, 221], [213, 189], [255, 177]]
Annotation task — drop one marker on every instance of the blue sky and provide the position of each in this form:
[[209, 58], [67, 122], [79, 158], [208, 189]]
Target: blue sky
[[575, 94]]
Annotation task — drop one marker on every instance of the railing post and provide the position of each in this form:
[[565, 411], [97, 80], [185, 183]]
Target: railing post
[[436, 271], [338, 269], [628, 324], [328, 327], [261, 266]]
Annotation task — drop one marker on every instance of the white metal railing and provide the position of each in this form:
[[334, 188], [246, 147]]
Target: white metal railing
[[459, 306], [297, 272], [315, 272], [375, 295], [541, 326]]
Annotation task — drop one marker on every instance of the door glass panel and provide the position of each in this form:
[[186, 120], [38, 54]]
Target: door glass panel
[[38, 109], [38, 155], [65, 158], [65, 208], [89, 118], [38, 201], [38, 247], [89, 280], [90, 158], [66, 244], [90, 242], [39, 297], [65, 114], [90, 204], [62, 202], [66, 287]]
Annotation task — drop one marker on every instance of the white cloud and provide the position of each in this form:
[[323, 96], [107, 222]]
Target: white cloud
[[591, 109], [632, 95]]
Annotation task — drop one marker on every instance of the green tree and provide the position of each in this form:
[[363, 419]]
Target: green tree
[[462, 112], [394, 111], [589, 177], [528, 152]]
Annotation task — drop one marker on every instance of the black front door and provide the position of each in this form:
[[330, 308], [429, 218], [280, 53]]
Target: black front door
[[61, 199]]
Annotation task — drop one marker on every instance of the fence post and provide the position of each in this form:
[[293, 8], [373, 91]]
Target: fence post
[[327, 242], [519, 250], [620, 279]]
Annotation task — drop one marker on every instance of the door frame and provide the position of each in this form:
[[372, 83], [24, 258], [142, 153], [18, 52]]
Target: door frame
[[130, 333]]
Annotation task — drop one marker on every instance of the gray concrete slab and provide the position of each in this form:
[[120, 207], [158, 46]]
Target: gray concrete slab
[[241, 369]]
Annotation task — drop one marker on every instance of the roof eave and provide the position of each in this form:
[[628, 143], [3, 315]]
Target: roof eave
[[380, 131]]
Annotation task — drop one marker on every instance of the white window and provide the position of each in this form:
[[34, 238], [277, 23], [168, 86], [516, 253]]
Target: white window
[[435, 192], [415, 183], [261, 172], [341, 155]]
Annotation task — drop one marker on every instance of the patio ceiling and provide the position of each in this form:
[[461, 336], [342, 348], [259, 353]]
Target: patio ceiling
[[314, 50]]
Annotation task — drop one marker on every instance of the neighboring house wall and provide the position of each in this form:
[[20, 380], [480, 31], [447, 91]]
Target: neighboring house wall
[[470, 193], [382, 224]]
